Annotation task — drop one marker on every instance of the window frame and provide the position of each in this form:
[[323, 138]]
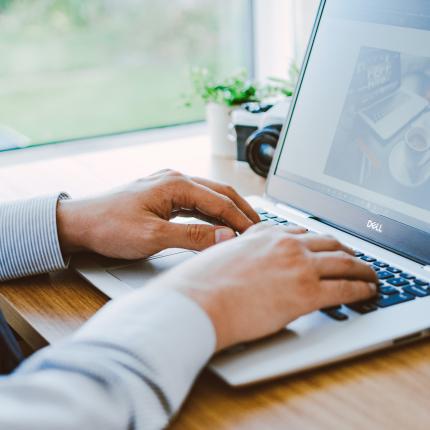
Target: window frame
[[289, 23]]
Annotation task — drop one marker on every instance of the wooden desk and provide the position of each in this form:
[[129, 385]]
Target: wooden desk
[[389, 390]]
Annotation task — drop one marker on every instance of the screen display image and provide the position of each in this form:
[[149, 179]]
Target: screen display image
[[382, 141]]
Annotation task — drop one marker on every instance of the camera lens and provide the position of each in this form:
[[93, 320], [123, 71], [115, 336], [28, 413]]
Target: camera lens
[[261, 147]]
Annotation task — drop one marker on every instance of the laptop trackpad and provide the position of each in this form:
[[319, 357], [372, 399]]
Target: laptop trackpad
[[138, 273]]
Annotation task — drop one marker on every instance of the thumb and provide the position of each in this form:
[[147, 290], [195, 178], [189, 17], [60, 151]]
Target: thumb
[[196, 236]]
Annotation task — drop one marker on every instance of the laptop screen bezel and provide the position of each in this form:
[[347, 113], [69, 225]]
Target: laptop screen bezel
[[400, 238]]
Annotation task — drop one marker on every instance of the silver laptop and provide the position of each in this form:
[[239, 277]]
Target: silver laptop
[[317, 181]]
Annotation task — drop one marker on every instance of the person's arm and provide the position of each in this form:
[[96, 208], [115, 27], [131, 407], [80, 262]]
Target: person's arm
[[131, 222], [29, 242], [132, 365]]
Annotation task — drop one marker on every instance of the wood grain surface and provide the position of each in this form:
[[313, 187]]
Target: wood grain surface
[[388, 390]]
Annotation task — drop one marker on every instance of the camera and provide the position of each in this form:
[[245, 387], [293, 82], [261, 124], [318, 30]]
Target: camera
[[258, 127]]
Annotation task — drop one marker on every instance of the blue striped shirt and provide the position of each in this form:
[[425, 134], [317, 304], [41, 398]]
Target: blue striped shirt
[[28, 237], [129, 367]]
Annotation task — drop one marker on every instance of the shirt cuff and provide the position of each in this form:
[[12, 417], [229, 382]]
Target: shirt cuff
[[29, 242], [164, 329]]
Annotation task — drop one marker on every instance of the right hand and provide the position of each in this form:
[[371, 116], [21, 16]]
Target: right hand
[[253, 286]]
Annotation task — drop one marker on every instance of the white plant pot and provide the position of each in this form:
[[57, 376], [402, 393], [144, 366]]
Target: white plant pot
[[218, 117]]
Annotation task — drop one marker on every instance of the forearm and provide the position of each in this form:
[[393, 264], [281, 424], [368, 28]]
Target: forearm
[[133, 363], [29, 242]]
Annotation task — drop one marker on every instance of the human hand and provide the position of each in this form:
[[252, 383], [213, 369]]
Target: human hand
[[255, 285], [133, 222]]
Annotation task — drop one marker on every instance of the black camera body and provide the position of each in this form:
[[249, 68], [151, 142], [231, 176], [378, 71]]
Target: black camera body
[[258, 128]]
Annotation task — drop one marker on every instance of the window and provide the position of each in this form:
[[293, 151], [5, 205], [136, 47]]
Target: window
[[282, 30], [73, 68]]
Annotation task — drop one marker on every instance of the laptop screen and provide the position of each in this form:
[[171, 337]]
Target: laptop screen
[[360, 128]]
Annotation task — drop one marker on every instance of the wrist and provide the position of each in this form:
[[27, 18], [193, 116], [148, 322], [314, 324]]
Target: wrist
[[212, 305], [71, 226]]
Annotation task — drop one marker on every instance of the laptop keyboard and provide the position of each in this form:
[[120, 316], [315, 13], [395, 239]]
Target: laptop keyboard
[[395, 286]]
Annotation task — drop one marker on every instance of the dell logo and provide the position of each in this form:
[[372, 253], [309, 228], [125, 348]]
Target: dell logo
[[374, 226]]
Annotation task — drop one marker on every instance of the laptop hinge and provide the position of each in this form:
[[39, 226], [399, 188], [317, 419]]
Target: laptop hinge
[[296, 212]]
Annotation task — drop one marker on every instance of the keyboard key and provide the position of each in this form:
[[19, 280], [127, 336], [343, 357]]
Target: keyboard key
[[261, 211], [280, 220], [335, 313], [385, 275], [407, 276], [363, 307], [416, 290], [358, 254], [393, 270], [270, 216], [368, 259], [421, 283], [389, 290], [384, 302], [376, 269], [380, 264], [398, 282]]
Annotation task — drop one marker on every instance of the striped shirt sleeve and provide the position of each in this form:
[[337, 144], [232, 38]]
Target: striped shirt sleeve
[[29, 242], [129, 367]]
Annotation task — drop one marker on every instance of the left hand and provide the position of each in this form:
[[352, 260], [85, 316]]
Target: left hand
[[133, 222]]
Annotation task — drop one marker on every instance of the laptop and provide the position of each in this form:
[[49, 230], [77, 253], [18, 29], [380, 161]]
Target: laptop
[[315, 182]]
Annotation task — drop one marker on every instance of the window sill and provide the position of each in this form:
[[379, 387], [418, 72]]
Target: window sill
[[103, 143]]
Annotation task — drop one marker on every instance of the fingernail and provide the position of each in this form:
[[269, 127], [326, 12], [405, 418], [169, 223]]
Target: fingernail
[[373, 288], [223, 234]]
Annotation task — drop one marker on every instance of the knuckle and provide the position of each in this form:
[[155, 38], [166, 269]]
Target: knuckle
[[334, 242], [227, 203], [172, 172], [330, 237], [291, 243], [195, 234], [345, 259], [175, 180], [230, 190]]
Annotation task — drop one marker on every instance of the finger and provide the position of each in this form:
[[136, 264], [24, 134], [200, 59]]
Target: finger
[[280, 229], [192, 196], [319, 243], [230, 192], [194, 236], [296, 229], [341, 291], [340, 265]]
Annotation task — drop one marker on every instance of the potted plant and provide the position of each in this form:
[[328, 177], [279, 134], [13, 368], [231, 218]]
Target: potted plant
[[220, 98], [280, 87]]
